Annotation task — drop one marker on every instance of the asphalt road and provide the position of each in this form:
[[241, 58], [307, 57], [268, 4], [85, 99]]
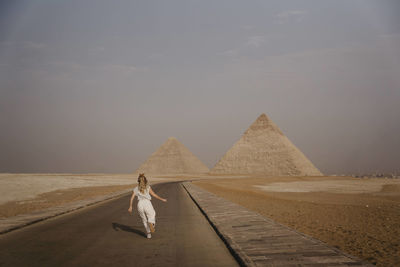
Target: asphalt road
[[107, 235]]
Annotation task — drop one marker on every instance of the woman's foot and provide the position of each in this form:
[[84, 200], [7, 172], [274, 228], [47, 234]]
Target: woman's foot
[[152, 229], [148, 235]]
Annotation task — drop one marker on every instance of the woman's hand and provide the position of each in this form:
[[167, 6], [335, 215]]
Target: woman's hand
[[130, 210], [157, 196]]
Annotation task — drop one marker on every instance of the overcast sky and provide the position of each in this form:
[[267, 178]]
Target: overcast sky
[[97, 86]]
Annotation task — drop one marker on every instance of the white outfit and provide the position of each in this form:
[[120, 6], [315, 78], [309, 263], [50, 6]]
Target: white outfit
[[145, 208]]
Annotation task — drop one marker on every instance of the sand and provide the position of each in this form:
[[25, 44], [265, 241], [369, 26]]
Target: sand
[[17, 187], [25, 193], [56, 198], [358, 216]]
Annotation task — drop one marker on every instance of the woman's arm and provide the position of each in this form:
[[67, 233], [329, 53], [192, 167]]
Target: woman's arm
[[156, 196], [130, 205]]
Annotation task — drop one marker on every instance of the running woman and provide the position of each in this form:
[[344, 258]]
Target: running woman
[[145, 209]]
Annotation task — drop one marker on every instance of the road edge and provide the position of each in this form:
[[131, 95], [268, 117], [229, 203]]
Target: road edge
[[20, 221], [233, 248]]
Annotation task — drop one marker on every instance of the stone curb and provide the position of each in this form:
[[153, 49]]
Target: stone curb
[[235, 250], [255, 240], [20, 221]]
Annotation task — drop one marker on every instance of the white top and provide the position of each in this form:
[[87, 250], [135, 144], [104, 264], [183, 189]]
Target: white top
[[142, 196]]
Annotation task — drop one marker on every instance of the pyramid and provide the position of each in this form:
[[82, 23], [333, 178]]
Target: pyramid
[[264, 149], [172, 158]]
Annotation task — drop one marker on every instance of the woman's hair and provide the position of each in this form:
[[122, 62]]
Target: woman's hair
[[142, 180]]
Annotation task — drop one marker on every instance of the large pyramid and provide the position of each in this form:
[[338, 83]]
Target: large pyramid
[[264, 149], [172, 158]]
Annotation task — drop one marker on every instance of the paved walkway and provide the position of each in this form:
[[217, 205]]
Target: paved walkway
[[259, 241], [107, 235]]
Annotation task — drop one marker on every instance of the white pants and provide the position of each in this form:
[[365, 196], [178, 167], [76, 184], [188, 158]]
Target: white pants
[[147, 213]]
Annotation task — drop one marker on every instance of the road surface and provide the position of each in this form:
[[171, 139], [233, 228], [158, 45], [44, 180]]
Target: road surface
[[107, 235]]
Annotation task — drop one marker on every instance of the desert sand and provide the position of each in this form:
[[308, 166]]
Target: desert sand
[[17, 187], [358, 216], [24, 193]]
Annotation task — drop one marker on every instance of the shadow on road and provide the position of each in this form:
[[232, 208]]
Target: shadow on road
[[117, 227]]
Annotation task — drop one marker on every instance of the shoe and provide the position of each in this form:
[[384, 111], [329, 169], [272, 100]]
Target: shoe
[[149, 235], [152, 229]]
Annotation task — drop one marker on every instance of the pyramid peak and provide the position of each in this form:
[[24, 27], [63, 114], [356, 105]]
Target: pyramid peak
[[263, 122], [263, 117], [172, 140]]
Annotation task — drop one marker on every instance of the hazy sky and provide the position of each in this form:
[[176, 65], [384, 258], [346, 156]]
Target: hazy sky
[[97, 86]]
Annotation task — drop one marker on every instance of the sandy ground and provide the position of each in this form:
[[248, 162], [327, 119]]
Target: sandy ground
[[358, 216], [24, 193], [16, 187], [56, 198]]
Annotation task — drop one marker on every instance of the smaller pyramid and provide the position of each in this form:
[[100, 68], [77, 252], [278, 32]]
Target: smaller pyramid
[[264, 149], [172, 158]]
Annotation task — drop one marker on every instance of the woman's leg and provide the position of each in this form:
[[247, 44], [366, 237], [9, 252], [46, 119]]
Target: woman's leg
[[141, 209], [150, 213]]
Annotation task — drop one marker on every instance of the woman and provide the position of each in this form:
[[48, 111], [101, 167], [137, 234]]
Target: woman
[[145, 209]]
